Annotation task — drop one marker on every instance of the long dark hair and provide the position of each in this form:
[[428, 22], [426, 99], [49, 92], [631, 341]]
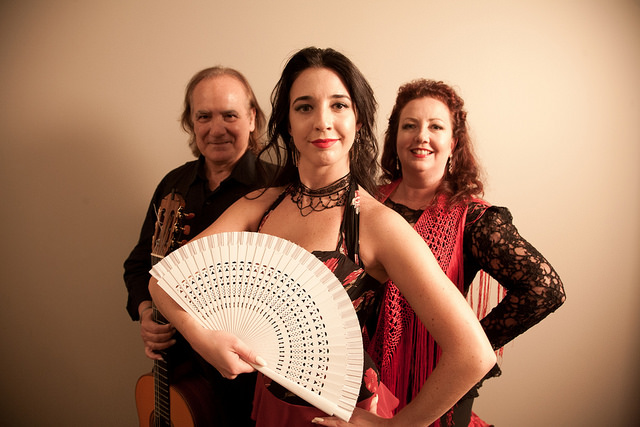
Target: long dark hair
[[208, 73], [364, 153], [463, 182]]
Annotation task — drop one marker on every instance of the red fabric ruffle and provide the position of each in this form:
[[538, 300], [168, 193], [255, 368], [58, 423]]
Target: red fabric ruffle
[[269, 411]]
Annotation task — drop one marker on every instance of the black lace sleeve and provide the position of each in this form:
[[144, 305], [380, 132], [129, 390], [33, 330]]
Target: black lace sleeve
[[534, 289]]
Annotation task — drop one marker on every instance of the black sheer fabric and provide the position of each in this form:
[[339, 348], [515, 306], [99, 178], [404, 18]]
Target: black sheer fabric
[[492, 243]]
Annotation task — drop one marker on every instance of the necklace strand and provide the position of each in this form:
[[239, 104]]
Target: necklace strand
[[330, 196]]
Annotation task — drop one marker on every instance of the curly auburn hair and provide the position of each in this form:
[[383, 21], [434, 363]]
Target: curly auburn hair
[[464, 181], [208, 73]]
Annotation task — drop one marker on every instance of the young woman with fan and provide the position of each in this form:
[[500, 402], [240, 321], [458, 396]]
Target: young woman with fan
[[431, 177], [323, 118]]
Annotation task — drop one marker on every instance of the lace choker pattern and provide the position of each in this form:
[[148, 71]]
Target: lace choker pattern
[[330, 196]]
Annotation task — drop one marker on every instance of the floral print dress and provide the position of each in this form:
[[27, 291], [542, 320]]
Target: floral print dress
[[275, 405]]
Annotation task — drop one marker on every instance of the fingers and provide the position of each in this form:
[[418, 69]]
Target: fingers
[[159, 346], [152, 348], [151, 354], [156, 333], [149, 329], [229, 376], [329, 421], [227, 353], [155, 337], [360, 417], [248, 355], [235, 366]]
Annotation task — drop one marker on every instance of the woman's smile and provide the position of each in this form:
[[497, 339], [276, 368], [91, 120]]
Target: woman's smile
[[421, 152]]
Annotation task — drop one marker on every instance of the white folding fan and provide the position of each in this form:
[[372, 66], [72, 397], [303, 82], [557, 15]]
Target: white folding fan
[[282, 302]]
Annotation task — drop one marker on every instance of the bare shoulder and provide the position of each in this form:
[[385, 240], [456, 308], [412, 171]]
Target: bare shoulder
[[263, 197], [375, 215], [384, 237], [256, 203]]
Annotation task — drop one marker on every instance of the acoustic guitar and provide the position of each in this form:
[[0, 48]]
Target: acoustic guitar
[[159, 402]]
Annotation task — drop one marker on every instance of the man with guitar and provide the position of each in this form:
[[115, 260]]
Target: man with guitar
[[224, 121]]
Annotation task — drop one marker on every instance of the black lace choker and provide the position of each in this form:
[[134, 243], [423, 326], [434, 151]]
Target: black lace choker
[[330, 196]]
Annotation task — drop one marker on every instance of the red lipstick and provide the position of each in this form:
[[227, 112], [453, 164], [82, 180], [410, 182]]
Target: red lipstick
[[324, 143]]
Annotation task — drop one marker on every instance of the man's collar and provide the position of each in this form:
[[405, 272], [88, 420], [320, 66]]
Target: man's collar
[[244, 171]]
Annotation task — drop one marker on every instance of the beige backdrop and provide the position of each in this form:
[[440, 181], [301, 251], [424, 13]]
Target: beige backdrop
[[91, 94]]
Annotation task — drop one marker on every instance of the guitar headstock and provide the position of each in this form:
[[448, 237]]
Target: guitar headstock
[[169, 226]]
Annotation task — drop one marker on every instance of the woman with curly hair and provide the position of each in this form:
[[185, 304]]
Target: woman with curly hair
[[432, 178]]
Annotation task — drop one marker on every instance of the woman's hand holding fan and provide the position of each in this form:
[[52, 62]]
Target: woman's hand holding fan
[[227, 353], [269, 304]]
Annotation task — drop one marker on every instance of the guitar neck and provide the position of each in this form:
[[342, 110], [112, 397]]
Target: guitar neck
[[166, 236], [157, 316], [161, 383]]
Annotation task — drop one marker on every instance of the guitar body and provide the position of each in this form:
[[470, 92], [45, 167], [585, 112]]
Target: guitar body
[[190, 404]]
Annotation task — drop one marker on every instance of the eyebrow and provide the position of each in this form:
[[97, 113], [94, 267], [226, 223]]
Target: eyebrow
[[221, 112], [429, 120], [309, 97]]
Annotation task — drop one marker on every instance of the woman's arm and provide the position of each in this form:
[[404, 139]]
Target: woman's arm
[[466, 353], [228, 354], [534, 289]]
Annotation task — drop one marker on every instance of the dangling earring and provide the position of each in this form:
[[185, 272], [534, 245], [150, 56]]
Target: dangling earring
[[450, 164], [398, 167], [356, 146]]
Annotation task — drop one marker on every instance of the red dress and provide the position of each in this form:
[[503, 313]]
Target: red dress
[[465, 239]]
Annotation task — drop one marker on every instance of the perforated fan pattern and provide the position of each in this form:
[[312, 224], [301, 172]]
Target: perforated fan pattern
[[282, 302]]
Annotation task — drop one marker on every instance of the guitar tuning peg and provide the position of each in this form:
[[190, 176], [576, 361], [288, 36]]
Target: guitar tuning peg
[[186, 229]]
